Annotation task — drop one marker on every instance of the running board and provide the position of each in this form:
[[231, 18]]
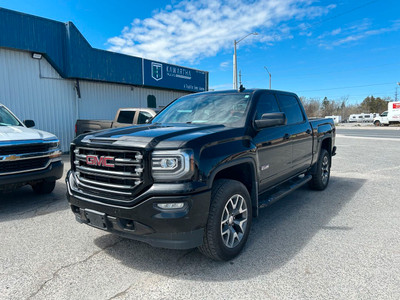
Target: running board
[[284, 190]]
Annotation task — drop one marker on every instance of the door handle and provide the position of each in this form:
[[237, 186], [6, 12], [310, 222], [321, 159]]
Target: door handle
[[286, 136], [308, 131]]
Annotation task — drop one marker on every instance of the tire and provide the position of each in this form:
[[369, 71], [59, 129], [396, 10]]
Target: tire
[[44, 187], [320, 178], [229, 220], [377, 123]]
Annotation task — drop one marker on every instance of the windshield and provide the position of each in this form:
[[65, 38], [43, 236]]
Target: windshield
[[7, 119], [221, 109]]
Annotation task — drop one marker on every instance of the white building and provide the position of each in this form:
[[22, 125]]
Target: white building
[[50, 74]]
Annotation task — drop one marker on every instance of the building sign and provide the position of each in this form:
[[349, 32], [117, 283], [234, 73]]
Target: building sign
[[174, 77]]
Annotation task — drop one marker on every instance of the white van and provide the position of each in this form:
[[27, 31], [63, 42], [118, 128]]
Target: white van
[[391, 116]]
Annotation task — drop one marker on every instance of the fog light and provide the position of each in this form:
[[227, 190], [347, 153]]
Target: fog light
[[170, 205]]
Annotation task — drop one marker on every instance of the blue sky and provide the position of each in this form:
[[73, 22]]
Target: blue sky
[[314, 48]]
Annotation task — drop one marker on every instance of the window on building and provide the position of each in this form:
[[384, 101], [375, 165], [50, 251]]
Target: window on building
[[143, 117], [126, 116], [151, 101], [290, 106]]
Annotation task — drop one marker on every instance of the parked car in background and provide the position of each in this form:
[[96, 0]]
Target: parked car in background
[[391, 116], [124, 117], [27, 156]]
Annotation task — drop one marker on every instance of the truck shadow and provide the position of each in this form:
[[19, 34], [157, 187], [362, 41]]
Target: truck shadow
[[24, 203], [278, 234]]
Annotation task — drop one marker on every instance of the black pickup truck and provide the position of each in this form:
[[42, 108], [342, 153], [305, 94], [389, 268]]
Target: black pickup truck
[[197, 174]]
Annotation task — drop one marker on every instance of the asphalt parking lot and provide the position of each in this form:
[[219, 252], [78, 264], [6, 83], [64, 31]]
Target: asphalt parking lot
[[342, 243]]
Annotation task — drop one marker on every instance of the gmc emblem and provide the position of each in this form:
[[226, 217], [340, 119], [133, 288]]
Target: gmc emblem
[[102, 161]]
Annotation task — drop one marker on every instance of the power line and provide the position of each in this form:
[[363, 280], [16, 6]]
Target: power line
[[347, 87]]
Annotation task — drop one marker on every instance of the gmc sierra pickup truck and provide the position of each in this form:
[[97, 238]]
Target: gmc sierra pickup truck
[[123, 118], [27, 156], [201, 170]]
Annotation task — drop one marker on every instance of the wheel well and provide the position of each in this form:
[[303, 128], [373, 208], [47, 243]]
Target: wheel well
[[327, 144], [244, 173]]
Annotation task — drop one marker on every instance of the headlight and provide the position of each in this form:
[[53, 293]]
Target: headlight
[[176, 164]]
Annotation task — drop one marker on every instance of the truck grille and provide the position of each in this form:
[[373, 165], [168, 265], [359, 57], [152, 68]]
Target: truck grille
[[22, 149], [17, 166], [119, 182]]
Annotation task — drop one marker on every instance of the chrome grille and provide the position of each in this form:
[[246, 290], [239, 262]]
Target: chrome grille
[[120, 181]]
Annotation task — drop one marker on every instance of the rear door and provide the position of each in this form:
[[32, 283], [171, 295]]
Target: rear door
[[299, 132], [273, 149]]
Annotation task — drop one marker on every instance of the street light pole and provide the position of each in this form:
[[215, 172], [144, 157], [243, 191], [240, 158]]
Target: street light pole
[[269, 77], [235, 42]]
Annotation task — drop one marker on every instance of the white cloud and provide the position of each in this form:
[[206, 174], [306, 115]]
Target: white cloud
[[191, 30], [354, 33]]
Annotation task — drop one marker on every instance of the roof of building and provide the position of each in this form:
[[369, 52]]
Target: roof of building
[[73, 57]]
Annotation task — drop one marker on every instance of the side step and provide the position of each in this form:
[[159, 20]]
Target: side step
[[283, 190]]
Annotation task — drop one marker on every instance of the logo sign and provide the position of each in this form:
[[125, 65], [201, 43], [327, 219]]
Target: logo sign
[[396, 105], [156, 71], [102, 161]]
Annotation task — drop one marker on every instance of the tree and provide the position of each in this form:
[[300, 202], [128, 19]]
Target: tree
[[311, 106], [373, 105]]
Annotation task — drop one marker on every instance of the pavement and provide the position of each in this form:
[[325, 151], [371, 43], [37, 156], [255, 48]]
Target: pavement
[[341, 243]]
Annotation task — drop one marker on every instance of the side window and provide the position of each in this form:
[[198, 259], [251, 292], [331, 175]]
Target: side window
[[290, 106], [126, 116], [266, 104], [143, 116]]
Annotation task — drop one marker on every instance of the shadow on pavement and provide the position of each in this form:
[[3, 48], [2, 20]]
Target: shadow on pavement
[[278, 234], [24, 203]]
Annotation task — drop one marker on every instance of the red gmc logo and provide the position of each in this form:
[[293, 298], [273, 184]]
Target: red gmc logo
[[102, 161]]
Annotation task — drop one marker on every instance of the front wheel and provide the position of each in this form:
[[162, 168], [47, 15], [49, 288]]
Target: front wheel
[[320, 178], [229, 220], [377, 123]]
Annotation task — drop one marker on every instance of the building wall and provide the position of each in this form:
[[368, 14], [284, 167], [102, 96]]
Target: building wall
[[33, 89]]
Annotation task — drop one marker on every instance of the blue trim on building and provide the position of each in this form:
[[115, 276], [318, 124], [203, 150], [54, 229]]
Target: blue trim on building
[[71, 55]]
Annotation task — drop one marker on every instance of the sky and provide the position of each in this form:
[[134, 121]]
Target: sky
[[335, 49]]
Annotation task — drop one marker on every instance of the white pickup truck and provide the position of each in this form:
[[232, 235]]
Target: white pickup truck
[[27, 156], [391, 116]]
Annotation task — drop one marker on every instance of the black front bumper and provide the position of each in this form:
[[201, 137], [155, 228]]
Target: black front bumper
[[53, 172], [166, 228]]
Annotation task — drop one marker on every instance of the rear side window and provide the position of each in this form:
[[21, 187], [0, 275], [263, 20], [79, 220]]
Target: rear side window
[[126, 116], [290, 106], [266, 104]]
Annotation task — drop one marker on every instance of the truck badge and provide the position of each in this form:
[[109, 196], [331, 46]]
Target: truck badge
[[102, 161]]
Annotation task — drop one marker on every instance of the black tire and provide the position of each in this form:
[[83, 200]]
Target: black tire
[[320, 178], [44, 187], [223, 223], [377, 123]]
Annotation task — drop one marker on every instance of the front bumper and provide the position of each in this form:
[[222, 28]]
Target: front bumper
[[53, 172], [166, 228]]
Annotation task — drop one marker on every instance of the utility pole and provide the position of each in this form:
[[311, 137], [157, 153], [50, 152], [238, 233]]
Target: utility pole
[[269, 77], [395, 95], [240, 77], [235, 75]]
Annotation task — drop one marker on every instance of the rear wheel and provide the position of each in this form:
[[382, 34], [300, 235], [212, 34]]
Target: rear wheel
[[44, 187], [320, 178], [229, 220]]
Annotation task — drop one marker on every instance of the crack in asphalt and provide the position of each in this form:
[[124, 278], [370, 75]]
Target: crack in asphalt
[[179, 272], [54, 275]]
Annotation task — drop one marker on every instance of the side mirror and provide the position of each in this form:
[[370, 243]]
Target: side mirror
[[271, 119], [29, 123]]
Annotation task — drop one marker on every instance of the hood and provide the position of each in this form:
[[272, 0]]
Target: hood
[[20, 133], [165, 136]]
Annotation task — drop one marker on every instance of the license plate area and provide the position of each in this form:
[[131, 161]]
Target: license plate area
[[96, 219]]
